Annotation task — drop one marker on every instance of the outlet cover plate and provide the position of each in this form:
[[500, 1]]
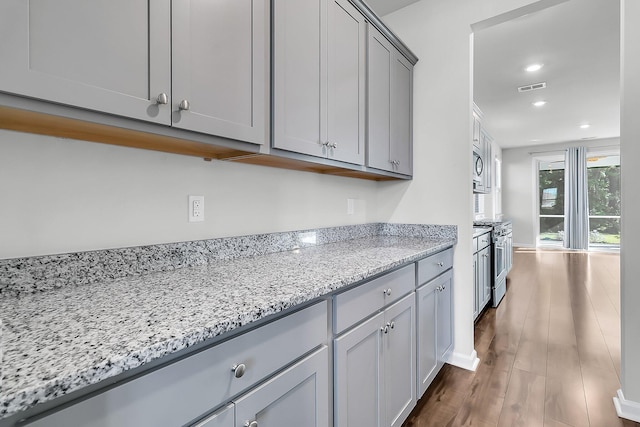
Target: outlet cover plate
[[196, 208]]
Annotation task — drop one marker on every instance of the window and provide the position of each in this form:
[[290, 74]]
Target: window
[[551, 202], [603, 180]]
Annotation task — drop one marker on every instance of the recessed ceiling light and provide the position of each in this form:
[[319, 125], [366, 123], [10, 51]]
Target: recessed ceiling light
[[585, 126], [539, 103], [533, 67]]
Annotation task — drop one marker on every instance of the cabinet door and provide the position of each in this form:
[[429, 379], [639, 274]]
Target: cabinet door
[[299, 80], [445, 319], [345, 73], [401, 114], [299, 396], [427, 327], [477, 285], [358, 368], [485, 260], [476, 131], [222, 418], [380, 53], [106, 55], [400, 361], [220, 50]]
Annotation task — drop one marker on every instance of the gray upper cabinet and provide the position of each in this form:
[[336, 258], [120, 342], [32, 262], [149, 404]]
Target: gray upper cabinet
[[319, 61], [111, 56], [346, 88], [219, 52], [298, 76], [401, 150], [390, 106], [199, 65], [379, 100]]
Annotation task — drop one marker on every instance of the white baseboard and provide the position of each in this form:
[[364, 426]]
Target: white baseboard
[[626, 408], [465, 361]]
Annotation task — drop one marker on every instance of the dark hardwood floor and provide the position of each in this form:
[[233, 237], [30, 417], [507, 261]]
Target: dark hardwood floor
[[549, 354]]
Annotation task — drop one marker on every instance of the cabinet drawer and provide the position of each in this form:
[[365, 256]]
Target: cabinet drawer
[[200, 382], [434, 265], [483, 241], [357, 303]]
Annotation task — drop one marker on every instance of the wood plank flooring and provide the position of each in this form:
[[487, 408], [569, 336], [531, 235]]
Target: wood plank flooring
[[549, 354]]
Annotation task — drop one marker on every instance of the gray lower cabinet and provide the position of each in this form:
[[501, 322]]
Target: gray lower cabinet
[[375, 369], [482, 274], [318, 78], [390, 106], [224, 417], [299, 396], [434, 320], [195, 64]]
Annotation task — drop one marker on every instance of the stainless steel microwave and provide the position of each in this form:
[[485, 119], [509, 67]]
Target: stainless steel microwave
[[478, 166]]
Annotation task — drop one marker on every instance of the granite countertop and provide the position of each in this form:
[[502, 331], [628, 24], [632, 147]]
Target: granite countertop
[[490, 222], [61, 340], [479, 231]]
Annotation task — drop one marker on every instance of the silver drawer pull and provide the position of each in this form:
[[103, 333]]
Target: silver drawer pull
[[441, 264], [184, 105], [162, 99], [391, 325], [251, 424], [387, 292], [384, 329], [238, 370]]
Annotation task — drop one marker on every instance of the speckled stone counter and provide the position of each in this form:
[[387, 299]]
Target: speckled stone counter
[[479, 231], [67, 337], [490, 222]]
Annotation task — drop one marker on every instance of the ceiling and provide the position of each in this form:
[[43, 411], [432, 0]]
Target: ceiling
[[579, 44]]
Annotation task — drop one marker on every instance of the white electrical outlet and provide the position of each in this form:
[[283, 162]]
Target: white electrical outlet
[[350, 206], [196, 208]]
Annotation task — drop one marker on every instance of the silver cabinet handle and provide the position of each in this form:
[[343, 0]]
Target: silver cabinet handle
[[384, 329], [387, 292], [238, 370], [334, 145], [184, 105], [443, 288], [253, 423], [162, 99], [441, 264], [391, 324]]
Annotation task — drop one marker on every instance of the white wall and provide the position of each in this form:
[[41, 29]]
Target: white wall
[[630, 157], [519, 193], [439, 32], [62, 195]]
